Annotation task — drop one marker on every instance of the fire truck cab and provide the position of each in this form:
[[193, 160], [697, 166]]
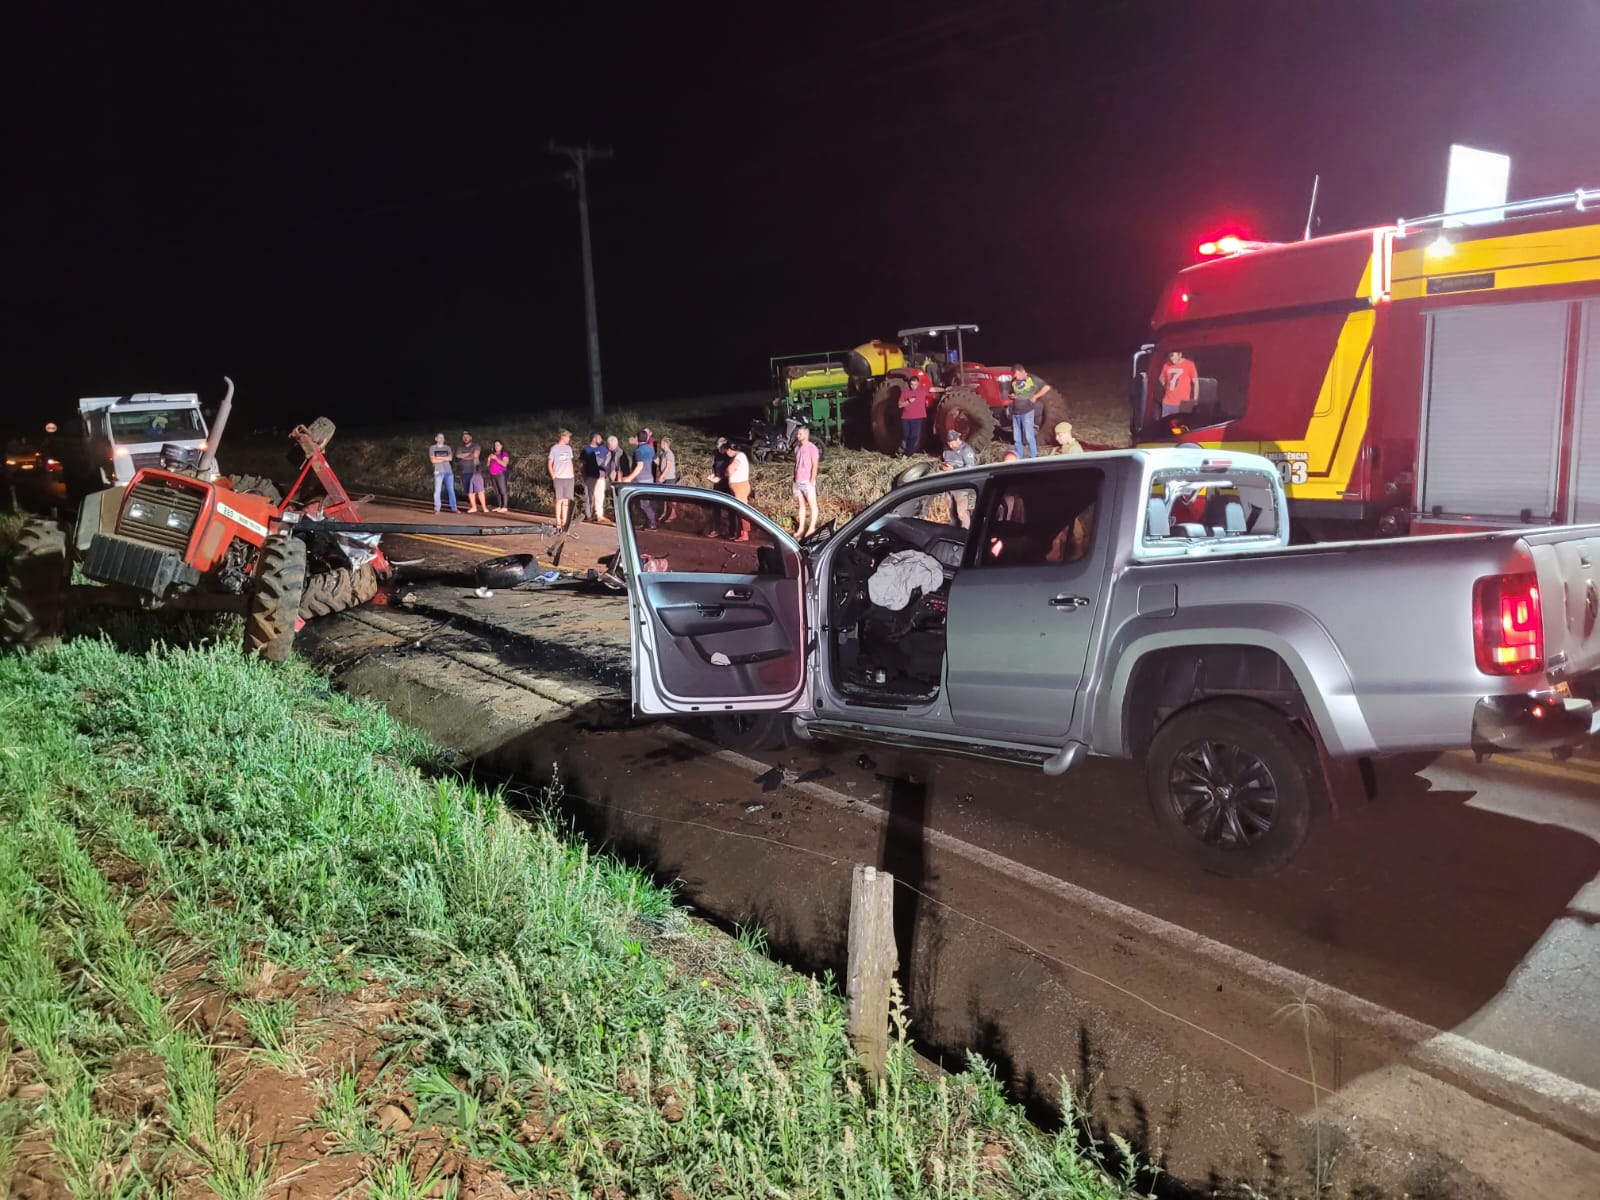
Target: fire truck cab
[[1422, 377]]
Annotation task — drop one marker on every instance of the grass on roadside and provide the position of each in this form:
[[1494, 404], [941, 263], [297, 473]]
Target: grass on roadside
[[567, 1025]]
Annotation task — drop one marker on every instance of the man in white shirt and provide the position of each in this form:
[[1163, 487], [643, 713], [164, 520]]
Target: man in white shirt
[[739, 485]]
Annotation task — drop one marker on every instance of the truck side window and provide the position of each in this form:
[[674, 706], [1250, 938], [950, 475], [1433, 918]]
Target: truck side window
[[1037, 518]]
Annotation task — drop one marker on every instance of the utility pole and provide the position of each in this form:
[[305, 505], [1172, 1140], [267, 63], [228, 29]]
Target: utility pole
[[581, 157]]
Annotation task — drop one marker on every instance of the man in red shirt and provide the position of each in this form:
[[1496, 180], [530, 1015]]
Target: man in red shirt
[[1179, 381], [914, 399]]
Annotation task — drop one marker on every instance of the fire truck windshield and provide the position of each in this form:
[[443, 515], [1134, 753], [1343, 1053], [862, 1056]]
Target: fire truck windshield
[[156, 425]]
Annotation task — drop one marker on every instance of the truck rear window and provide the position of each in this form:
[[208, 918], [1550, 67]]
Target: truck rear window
[[1191, 506]]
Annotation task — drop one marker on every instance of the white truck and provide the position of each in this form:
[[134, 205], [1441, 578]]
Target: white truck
[[123, 433]]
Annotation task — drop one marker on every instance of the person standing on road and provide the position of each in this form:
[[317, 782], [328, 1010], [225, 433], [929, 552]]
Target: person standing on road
[[1180, 381], [499, 465], [444, 476], [807, 455], [719, 481], [470, 455], [958, 454], [614, 469], [914, 398], [1026, 395], [667, 472], [739, 485], [644, 468], [593, 474], [559, 463]]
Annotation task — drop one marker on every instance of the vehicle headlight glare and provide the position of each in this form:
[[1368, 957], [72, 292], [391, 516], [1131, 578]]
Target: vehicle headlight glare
[[176, 520], [137, 512]]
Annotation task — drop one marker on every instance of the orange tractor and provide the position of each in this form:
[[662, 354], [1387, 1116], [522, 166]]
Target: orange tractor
[[181, 537]]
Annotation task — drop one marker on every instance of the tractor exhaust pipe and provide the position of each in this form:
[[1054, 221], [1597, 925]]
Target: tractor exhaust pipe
[[208, 460]]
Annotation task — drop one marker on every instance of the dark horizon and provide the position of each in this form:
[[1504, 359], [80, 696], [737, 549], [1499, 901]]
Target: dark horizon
[[363, 221]]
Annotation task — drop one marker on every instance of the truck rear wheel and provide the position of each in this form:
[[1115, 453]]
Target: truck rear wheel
[[965, 411], [1232, 781], [336, 590], [886, 435], [36, 588], [275, 600]]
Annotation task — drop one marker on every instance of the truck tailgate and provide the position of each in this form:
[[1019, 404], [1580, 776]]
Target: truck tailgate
[[1568, 563]]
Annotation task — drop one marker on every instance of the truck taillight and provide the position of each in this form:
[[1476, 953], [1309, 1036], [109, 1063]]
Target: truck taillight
[[1508, 629]]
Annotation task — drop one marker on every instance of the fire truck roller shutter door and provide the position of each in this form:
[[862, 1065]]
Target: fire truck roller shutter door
[[1492, 422], [1586, 425]]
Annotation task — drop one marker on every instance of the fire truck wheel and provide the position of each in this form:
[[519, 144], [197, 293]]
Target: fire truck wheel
[[336, 590], [1232, 782], [886, 435], [964, 410], [256, 485], [36, 591], [275, 601]]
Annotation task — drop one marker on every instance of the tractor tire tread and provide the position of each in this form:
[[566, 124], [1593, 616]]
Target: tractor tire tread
[[269, 625]]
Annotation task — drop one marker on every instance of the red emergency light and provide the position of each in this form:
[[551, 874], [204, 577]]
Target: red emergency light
[[1228, 243]]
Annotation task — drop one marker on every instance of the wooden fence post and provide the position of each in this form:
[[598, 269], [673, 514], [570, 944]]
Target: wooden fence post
[[872, 962]]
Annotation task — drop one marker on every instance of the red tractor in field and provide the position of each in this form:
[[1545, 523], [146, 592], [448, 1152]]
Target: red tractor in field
[[181, 537], [975, 401]]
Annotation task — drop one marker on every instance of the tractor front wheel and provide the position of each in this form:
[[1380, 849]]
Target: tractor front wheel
[[336, 590], [256, 485], [965, 411], [36, 591], [886, 434], [280, 583]]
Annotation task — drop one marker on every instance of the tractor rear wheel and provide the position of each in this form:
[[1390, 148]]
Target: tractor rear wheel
[[336, 590], [275, 600], [886, 434], [256, 485], [965, 411], [36, 590]]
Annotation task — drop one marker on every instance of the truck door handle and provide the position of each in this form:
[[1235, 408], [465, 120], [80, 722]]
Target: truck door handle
[[738, 593], [1069, 602], [709, 610]]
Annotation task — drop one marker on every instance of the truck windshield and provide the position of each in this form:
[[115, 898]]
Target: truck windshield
[[156, 425]]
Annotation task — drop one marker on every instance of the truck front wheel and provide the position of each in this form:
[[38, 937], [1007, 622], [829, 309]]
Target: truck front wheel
[[1232, 782]]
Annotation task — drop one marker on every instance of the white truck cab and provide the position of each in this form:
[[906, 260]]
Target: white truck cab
[[123, 433]]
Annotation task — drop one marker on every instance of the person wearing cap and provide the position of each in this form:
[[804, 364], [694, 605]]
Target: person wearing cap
[[958, 454], [1180, 381], [1027, 393], [644, 463], [1065, 442]]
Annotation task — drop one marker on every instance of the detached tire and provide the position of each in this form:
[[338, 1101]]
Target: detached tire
[[507, 571], [256, 485], [747, 731], [336, 590], [887, 437], [1231, 782], [269, 623], [963, 410], [36, 588]]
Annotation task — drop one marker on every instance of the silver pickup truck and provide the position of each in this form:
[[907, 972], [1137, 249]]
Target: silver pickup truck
[[1140, 604]]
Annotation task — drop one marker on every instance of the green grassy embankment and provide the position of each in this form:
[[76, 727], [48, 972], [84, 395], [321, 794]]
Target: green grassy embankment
[[393, 460], [252, 934]]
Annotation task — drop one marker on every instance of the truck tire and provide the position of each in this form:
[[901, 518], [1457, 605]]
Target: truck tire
[[269, 623], [334, 591], [887, 437], [748, 731], [256, 485], [507, 571], [1232, 782], [964, 410], [36, 588]]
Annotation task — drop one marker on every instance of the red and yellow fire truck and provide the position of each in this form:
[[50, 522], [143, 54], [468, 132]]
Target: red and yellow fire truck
[[1422, 377]]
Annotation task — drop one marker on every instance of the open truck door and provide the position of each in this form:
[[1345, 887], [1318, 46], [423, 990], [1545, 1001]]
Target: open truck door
[[717, 622]]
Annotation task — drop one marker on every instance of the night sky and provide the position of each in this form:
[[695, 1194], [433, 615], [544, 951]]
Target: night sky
[[355, 214]]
